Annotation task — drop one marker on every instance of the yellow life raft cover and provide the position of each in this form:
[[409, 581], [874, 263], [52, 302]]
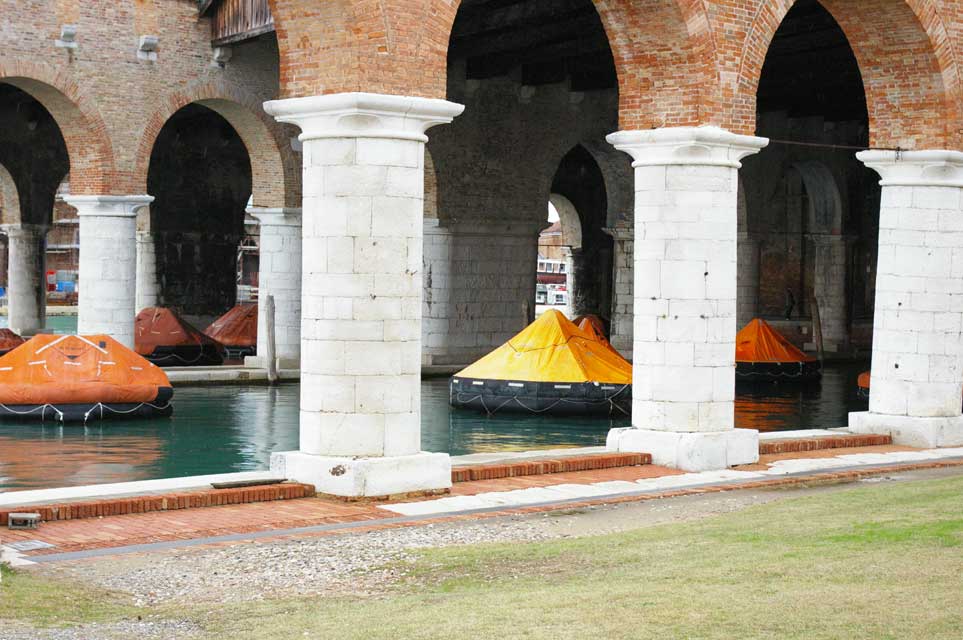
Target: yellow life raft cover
[[552, 349]]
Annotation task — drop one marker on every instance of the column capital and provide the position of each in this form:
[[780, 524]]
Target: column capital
[[22, 229], [620, 232], [915, 168], [109, 206], [703, 146], [363, 115], [276, 216]]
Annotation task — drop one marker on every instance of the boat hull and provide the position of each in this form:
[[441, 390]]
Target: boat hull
[[778, 371], [193, 355], [543, 398], [90, 410]]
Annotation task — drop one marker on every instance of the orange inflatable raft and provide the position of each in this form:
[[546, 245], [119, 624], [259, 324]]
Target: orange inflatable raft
[[9, 341], [76, 378], [166, 339], [236, 330], [764, 354]]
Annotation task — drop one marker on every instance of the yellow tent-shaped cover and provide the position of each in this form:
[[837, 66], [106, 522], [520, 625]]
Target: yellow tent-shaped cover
[[552, 349]]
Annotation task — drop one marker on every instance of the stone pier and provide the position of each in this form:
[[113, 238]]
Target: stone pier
[[108, 264], [279, 275], [479, 287], [360, 424], [26, 284], [917, 371], [683, 386]]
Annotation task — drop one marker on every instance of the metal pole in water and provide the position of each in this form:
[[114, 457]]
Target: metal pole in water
[[271, 355]]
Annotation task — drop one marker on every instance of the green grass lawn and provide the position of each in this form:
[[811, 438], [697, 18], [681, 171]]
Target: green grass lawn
[[875, 561]]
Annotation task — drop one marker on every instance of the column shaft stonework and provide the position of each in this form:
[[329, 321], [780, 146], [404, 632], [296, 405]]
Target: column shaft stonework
[[279, 275], [684, 322], [108, 264], [26, 285], [917, 370], [360, 423]]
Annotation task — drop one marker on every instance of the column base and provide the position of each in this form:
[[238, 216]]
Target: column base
[[926, 433], [366, 477], [259, 362], [701, 451]]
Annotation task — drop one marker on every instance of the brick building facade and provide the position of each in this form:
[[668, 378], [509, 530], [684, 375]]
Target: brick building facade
[[400, 154]]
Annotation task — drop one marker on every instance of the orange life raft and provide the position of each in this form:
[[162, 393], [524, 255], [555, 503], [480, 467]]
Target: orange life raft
[[236, 330], [862, 385], [68, 378], [764, 354], [166, 339], [9, 341]]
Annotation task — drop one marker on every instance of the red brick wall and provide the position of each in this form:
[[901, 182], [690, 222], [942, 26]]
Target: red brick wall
[[679, 62], [110, 105]]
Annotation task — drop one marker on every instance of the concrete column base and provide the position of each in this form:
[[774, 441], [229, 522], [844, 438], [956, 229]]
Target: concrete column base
[[260, 362], [910, 431], [689, 451], [365, 477]]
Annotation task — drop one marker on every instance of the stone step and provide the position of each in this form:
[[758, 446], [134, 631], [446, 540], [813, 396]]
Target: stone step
[[798, 445], [541, 466], [162, 502]]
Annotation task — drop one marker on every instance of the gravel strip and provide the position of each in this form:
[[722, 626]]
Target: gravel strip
[[355, 565], [145, 629]]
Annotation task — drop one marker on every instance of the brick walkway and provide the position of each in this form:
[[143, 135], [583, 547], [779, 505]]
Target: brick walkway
[[134, 529]]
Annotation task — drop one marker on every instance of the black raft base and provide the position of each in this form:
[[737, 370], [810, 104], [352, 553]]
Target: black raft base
[[542, 398], [207, 355], [160, 407], [778, 371]]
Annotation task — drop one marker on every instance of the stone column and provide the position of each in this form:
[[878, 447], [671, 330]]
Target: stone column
[[570, 306], [620, 334], [683, 383], [279, 275], [747, 288], [108, 264], [360, 426], [147, 287], [829, 289], [26, 277], [479, 286], [917, 371]]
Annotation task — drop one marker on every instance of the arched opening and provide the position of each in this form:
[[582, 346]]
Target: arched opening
[[200, 177], [576, 241], [811, 208], [536, 80], [34, 155]]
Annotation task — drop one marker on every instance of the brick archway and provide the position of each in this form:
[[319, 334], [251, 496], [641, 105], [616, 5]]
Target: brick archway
[[275, 168], [9, 198], [663, 52], [909, 76], [92, 165]]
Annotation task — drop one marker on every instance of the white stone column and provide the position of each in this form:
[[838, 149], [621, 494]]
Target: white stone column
[[620, 334], [683, 383], [570, 309], [829, 289], [26, 281], [479, 286], [747, 293], [108, 264], [279, 275], [147, 286], [360, 431], [917, 372]]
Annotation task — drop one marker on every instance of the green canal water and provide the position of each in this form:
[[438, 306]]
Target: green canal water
[[235, 428]]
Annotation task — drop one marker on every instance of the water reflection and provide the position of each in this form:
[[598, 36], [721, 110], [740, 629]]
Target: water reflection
[[223, 429]]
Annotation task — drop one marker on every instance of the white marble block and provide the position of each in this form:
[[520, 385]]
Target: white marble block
[[26, 283]]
